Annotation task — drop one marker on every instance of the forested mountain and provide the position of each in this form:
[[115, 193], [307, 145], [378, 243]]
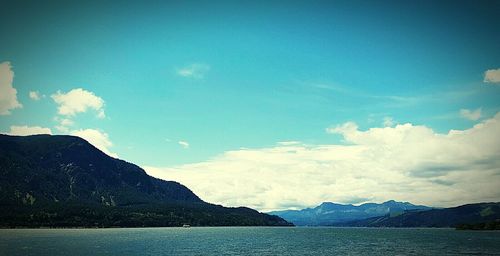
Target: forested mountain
[[65, 181]]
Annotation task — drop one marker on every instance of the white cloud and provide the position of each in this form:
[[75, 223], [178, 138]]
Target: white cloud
[[35, 95], [78, 101], [388, 121], [344, 128], [8, 94], [64, 121], [184, 144], [62, 128], [492, 76], [405, 162], [28, 130], [97, 138], [64, 124], [288, 143], [471, 114], [67, 122], [101, 114], [195, 70]]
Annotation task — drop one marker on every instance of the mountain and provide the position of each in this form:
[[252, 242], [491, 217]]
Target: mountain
[[65, 181], [465, 216], [331, 213]]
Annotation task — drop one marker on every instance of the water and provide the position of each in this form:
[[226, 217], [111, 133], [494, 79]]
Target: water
[[248, 241]]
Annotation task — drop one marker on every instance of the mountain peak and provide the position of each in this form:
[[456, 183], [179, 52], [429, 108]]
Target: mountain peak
[[391, 202], [329, 204], [82, 172]]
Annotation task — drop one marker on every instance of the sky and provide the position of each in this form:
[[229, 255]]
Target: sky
[[268, 104]]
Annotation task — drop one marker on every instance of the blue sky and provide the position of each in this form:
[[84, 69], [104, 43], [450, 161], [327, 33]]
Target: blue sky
[[183, 82]]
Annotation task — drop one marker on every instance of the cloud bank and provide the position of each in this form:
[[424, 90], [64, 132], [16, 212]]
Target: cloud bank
[[406, 162], [25, 130], [8, 94]]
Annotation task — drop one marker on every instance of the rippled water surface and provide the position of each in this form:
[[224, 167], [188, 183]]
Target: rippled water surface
[[248, 241]]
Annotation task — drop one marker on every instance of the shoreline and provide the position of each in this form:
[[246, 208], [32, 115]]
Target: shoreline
[[180, 227]]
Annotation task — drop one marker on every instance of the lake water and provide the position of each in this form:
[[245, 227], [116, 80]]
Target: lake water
[[248, 241]]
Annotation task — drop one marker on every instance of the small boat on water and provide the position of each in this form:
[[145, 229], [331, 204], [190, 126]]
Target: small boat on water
[[186, 226]]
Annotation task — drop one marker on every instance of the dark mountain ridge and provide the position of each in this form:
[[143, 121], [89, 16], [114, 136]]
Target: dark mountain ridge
[[64, 168], [65, 181]]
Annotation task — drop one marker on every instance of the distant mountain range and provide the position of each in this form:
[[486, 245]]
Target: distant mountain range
[[465, 216], [331, 213], [396, 214], [65, 181]]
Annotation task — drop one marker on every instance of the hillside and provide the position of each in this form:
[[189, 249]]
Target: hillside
[[330, 213], [65, 181]]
